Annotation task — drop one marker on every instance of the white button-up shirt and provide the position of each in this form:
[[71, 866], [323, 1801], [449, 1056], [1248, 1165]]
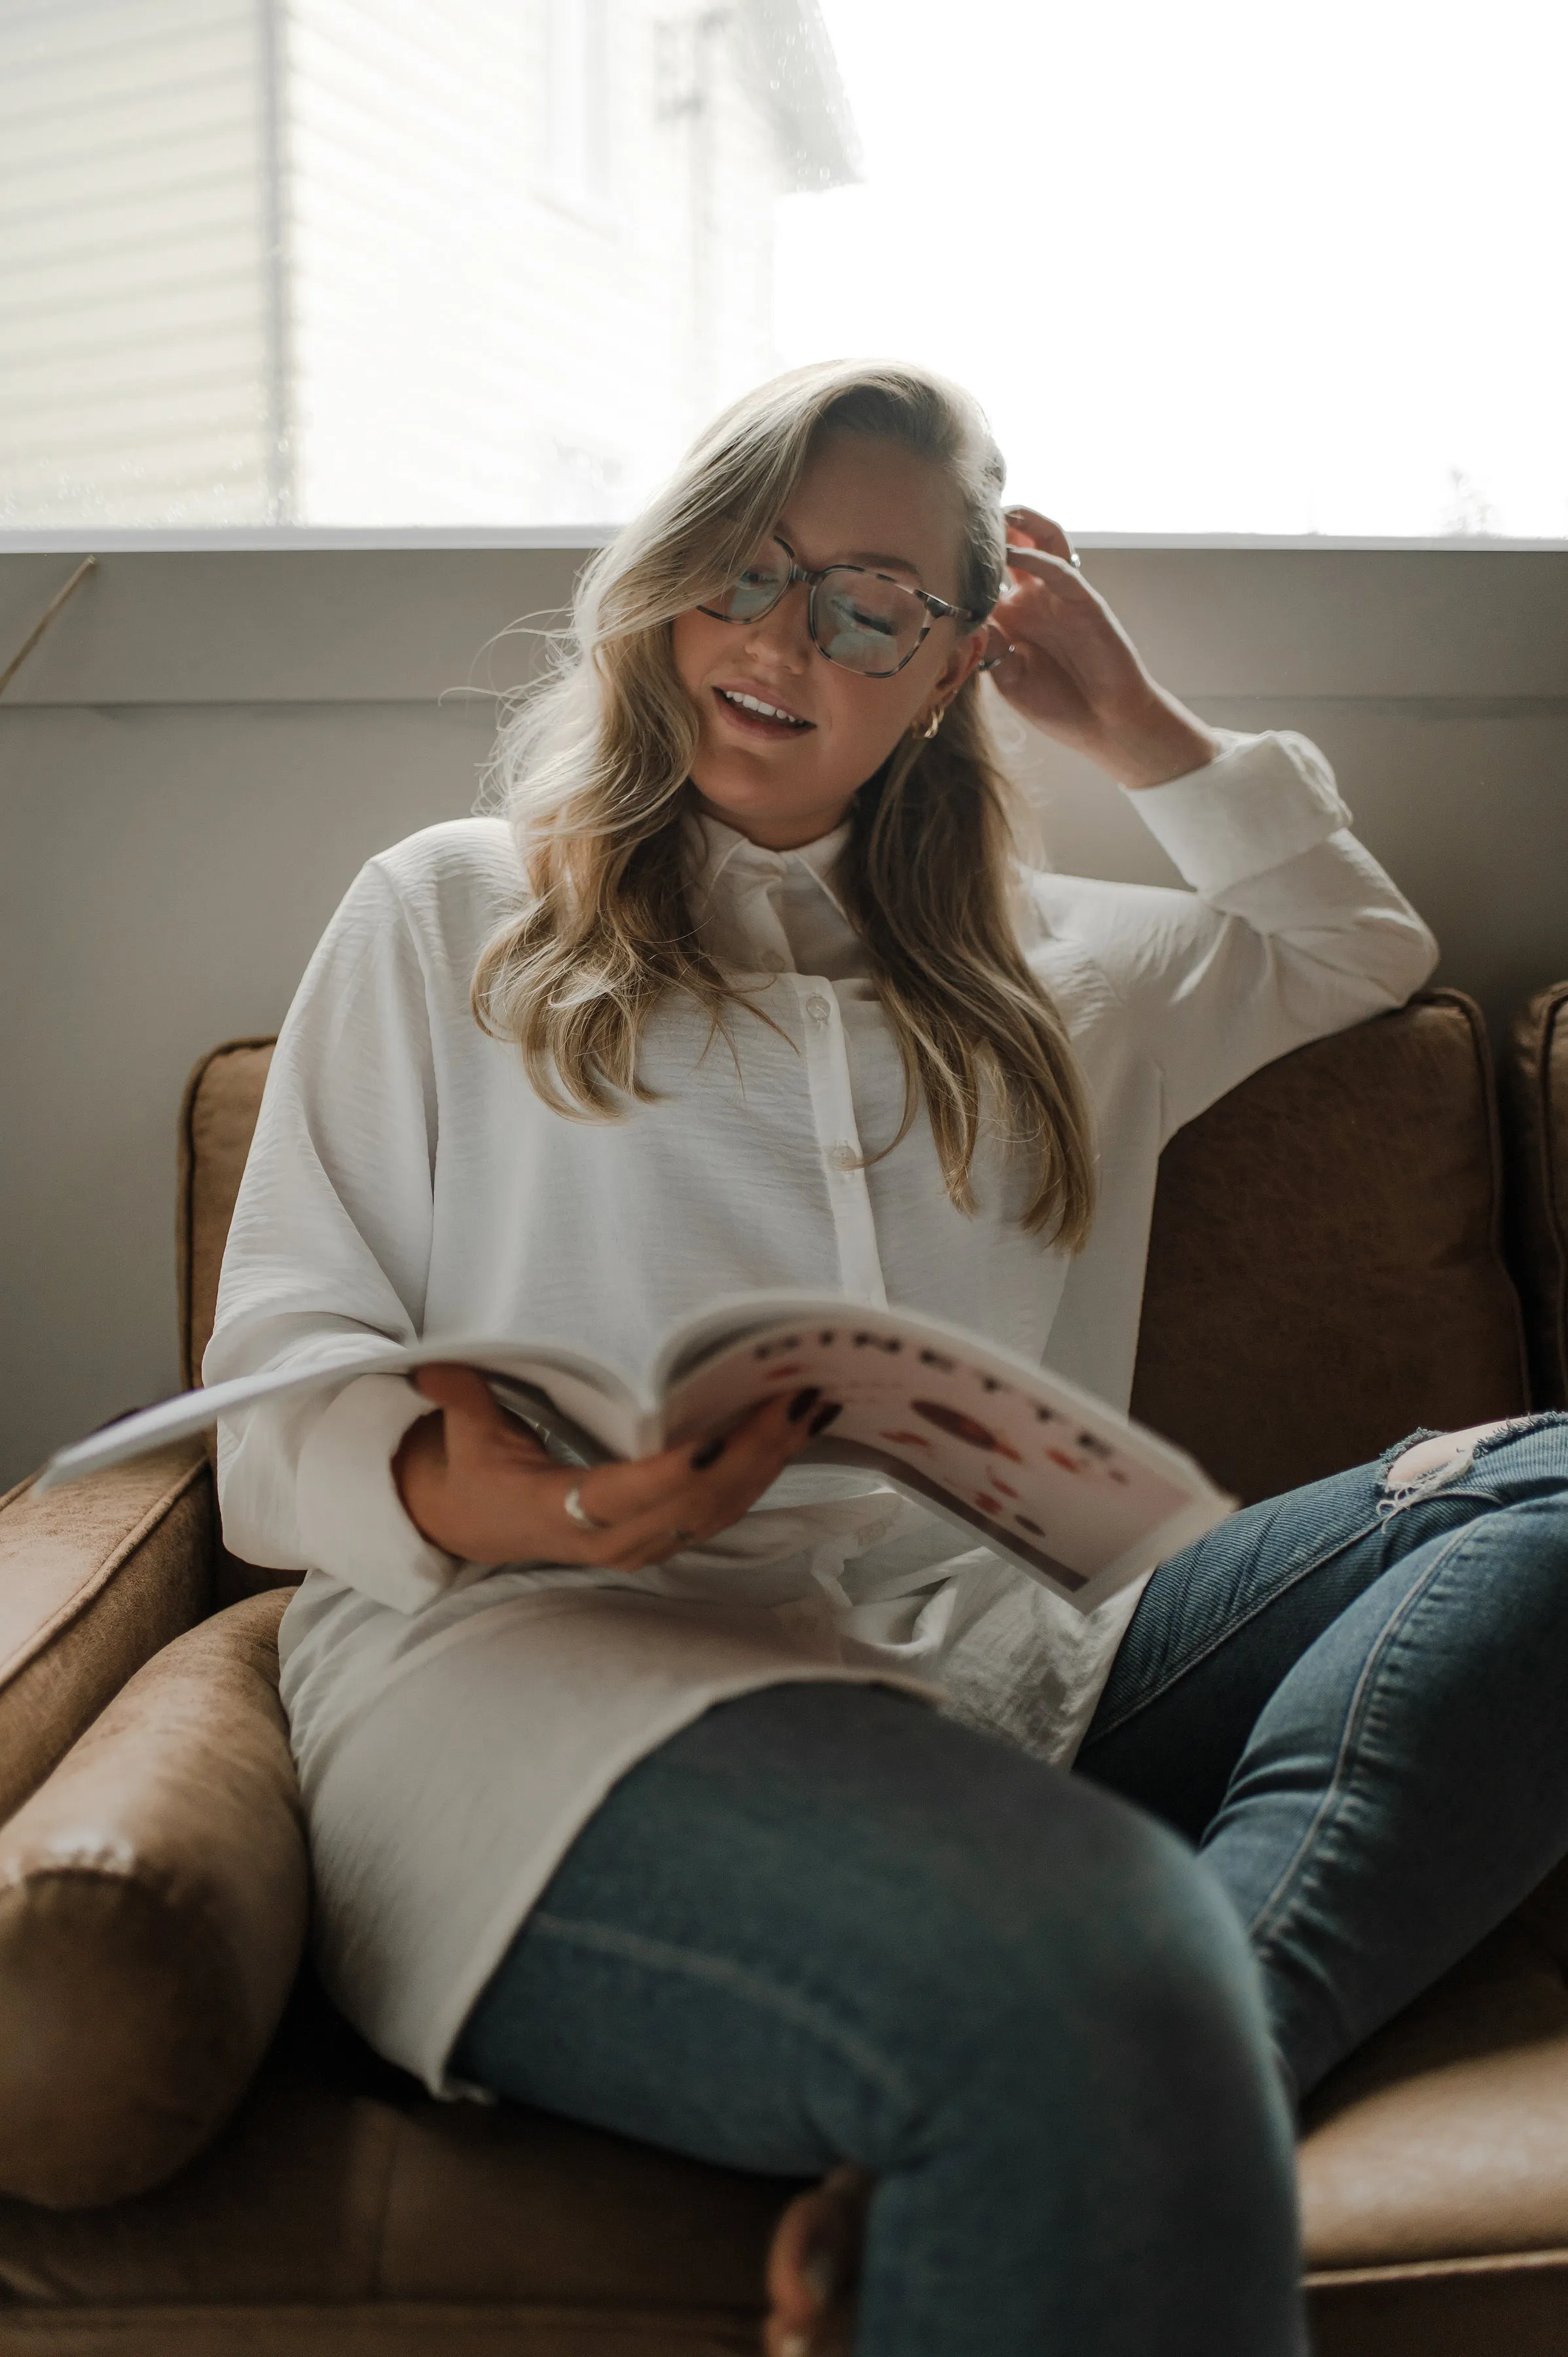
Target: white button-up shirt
[[455, 1725]]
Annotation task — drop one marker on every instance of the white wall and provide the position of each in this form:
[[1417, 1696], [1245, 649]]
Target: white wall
[[207, 743]]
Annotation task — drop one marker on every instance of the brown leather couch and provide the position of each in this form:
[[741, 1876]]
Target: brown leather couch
[[1329, 1269]]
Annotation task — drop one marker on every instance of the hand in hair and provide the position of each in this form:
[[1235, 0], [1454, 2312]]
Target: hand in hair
[[1074, 672], [475, 1484]]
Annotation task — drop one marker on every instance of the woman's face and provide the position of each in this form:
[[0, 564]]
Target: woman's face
[[785, 781]]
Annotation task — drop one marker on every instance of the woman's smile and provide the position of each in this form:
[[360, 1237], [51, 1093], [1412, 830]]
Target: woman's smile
[[755, 714]]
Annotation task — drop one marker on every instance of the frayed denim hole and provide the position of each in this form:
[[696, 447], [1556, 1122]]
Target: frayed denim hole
[[1423, 1432], [1518, 1427], [1452, 1472]]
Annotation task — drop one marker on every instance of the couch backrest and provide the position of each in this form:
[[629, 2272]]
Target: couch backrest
[[1324, 1270]]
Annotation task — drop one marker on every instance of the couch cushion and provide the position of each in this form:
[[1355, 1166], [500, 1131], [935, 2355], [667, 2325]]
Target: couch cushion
[[94, 1579], [153, 1896], [1446, 2135], [1326, 1270], [1434, 2166], [342, 2189], [342, 2201], [1534, 1090]]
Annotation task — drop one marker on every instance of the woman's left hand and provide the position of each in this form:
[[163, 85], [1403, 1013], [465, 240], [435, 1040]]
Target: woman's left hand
[[1069, 667]]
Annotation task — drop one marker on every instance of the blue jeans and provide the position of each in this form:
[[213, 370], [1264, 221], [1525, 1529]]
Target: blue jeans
[[1351, 1699], [824, 1924]]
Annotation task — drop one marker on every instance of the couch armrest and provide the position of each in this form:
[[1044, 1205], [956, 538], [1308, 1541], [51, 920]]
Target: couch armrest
[[94, 1578], [153, 1902]]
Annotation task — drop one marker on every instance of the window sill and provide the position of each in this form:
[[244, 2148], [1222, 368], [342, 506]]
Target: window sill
[[169, 539]]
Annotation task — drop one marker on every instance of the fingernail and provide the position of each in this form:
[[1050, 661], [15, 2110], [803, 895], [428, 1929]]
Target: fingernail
[[709, 1454], [803, 1401], [824, 1417], [795, 2344]]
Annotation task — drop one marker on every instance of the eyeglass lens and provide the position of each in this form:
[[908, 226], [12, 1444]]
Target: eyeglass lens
[[856, 619]]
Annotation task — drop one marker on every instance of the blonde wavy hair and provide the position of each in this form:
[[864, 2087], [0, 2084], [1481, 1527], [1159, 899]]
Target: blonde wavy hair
[[593, 768]]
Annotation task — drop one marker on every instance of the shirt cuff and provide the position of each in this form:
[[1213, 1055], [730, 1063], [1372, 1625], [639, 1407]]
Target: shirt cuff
[[1261, 801], [352, 1523]]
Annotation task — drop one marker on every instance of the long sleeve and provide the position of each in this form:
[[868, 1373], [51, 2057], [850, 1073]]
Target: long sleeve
[[331, 1244], [1291, 932], [1291, 929]]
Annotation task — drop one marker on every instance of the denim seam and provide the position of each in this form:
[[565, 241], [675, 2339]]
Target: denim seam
[[718, 1972], [1232, 1628], [1265, 1923]]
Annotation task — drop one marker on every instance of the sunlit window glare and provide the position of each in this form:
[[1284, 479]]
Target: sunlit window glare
[[1213, 270]]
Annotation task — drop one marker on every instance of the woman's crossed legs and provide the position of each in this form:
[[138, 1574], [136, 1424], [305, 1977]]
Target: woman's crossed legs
[[823, 1924], [1350, 1698]]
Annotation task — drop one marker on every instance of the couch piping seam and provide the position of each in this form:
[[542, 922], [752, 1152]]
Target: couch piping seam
[[1481, 1049], [184, 1222], [59, 2316], [1554, 2257], [1549, 1185]]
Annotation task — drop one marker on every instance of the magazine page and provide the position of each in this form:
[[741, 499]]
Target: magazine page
[[1067, 1487], [576, 1395]]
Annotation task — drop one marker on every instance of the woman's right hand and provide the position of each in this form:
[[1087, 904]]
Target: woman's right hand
[[475, 1483]]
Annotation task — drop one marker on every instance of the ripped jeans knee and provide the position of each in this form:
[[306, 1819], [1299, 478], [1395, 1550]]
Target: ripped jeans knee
[[1431, 1460]]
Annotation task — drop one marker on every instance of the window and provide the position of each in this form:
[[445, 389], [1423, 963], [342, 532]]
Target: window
[[578, 102], [401, 263]]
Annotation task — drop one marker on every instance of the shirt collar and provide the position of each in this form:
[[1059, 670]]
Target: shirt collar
[[720, 855]]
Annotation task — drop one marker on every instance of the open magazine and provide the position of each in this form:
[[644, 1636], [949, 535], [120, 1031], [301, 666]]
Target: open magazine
[[1013, 1458]]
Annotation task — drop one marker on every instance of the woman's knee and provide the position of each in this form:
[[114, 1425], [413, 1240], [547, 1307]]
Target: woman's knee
[[1445, 1454], [1508, 1460], [1106, 1956]]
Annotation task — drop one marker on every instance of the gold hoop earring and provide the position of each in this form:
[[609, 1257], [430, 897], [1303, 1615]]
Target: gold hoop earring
[[935, 721]]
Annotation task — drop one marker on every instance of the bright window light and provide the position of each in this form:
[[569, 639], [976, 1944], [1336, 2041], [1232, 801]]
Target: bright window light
[[1213, 270], [1223, 267]]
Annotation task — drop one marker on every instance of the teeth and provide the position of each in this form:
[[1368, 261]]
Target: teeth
[[755, 703]]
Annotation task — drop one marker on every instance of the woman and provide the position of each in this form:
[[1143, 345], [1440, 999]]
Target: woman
[[626, 1793]]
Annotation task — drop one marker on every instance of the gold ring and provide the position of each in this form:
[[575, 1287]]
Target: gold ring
[[579, 1512]]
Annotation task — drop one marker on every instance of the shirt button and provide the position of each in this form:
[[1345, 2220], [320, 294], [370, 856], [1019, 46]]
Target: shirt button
[[844, 1156], [819, 1009]]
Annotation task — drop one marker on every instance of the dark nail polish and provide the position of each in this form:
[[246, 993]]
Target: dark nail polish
[[803, 1401], [709, 1454], [824, 1417]]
